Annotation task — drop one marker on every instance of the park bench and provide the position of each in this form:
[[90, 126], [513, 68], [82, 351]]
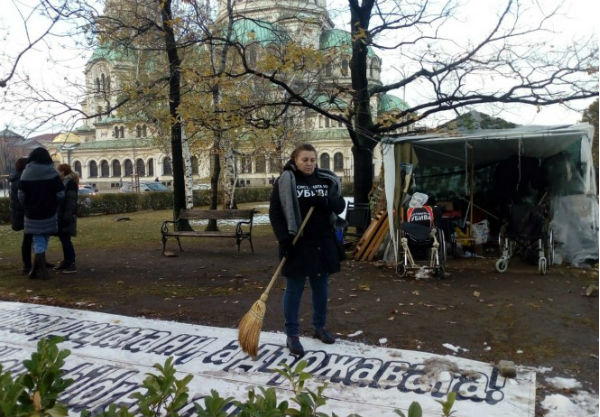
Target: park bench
[[243, 227]]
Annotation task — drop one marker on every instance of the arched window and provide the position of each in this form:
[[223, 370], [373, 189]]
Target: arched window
[[128, 168], [144, 131], [344, 67], [140, 167], [108, 83], [261, 163], [97, 82], [338, 162], [328, 69], [246, 165], [194, 163], [93, 169], [273, 163], [167, 169], [138, 131], [374, 68], [327, 122], [77, 168], [116, 166], [150, 167], [116, 132], [324, 161], [103, 82], [122, 131], [104, 168]]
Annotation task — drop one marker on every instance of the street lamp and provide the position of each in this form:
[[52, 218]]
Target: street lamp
[[69, 148]]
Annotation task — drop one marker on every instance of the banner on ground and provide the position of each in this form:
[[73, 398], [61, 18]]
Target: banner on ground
[[111, 355]]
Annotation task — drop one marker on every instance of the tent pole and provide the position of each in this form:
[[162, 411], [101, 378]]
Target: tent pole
[[471, 192]]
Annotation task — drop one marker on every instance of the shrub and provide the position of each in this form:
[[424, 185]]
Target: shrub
[[115, 203]]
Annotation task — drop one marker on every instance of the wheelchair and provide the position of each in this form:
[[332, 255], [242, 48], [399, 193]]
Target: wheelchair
[[526, 233], [421, 238]]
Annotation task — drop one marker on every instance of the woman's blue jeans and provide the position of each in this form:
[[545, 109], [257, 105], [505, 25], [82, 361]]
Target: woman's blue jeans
[[40, 243], [293, 295]]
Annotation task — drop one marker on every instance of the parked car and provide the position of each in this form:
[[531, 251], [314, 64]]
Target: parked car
[[144, 186], [86, 189]]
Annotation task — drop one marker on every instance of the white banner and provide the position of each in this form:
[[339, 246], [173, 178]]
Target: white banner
[[111, 354]]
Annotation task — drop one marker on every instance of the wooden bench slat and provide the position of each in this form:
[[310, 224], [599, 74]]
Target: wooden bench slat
[[199, 233], [215, 214], [243, 229]]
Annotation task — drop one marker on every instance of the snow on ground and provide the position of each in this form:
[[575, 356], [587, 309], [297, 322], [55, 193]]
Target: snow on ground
[[581, 404], [564, 383], [573, 402], [455, 349]]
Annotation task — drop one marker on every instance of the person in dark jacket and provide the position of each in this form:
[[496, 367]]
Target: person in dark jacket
[[316, 254], [17, 213], [40, 190], [67, 218]]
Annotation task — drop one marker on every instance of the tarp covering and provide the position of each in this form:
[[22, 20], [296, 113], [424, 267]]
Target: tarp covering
[[521, 164]]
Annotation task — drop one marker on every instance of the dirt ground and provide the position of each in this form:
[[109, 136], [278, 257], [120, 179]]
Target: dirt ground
[[540, 321]]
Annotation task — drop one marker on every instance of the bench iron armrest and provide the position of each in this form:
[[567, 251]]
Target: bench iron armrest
[[239, 229], [165, 226]]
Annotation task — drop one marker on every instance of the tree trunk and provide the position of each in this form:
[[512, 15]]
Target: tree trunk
[[174, 101], [362, 129], [363, 173], [189, 181], [228, 173], [214, 181]]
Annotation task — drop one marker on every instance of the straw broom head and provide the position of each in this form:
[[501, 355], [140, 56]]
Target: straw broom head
[[251, 325]]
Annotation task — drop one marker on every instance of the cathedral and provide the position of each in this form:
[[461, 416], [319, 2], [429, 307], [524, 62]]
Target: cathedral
[[111, 150]]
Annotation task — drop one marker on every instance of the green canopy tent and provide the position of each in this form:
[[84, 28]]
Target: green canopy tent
[[469, 166]]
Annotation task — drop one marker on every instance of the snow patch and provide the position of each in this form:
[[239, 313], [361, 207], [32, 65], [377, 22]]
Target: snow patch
[[582, 404], [564, 383], [455, 349]]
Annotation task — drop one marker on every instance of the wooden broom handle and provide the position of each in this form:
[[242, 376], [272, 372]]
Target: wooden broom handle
[[265, 294]]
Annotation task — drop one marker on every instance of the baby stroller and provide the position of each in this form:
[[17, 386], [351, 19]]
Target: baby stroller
[[421, 238], [526, 233]]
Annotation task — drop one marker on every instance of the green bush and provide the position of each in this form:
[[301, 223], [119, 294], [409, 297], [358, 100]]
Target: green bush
[[35, 392], [115, 203]]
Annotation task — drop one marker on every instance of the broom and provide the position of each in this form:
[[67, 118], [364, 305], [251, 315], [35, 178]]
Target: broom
[[251, 323]]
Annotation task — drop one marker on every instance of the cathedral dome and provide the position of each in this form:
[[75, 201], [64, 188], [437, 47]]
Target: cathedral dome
[[248, 31], [388, 103], [337, 38]]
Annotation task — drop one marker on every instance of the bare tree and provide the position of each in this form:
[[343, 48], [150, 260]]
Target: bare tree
[[513, 62]]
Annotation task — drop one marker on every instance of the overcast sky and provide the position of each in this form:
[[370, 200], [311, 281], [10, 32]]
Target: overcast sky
[[57, 65]]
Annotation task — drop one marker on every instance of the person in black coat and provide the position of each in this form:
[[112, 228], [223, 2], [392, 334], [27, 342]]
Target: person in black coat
[[17, 214], [316, 254], [40, 190], [67, 218]]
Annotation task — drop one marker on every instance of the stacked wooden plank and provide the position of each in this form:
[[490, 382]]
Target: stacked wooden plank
[[372, 238]]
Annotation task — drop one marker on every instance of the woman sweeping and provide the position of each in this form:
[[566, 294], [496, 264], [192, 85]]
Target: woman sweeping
[[316, 254]]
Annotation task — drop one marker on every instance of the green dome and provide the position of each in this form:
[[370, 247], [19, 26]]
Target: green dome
[[248, 31], [389, 103], [110, 53], [337, 38]]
